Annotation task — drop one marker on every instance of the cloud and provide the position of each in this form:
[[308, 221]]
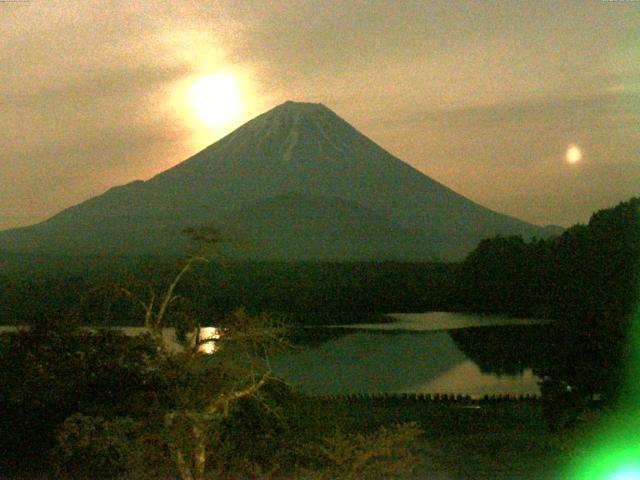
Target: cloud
[[522, 133], [468, 94], [510, 156]]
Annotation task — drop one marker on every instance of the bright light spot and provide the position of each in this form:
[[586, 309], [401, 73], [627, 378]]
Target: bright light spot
[[574, 155], [629, 473], [216, 99], [208, 335]]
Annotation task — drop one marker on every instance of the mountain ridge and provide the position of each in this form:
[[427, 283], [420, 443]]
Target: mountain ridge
[[294, 149]]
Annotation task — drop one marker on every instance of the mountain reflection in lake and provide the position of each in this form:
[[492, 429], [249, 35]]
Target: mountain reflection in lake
[[476, 361]]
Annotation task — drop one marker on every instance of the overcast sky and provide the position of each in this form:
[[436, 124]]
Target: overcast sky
[[483, 96]]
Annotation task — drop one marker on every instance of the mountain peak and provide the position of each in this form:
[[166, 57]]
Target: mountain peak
[[301, 106], [294, 104], [293, 110], [288, 133]]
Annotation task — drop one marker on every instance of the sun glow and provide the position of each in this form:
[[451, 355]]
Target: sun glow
[[216, 99], [574, 154]]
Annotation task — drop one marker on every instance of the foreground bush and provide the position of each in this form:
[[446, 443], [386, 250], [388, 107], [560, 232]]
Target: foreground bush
[[383, 454], [56, 370]]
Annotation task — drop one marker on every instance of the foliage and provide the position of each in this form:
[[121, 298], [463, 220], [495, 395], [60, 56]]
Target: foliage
[[92, 446], [385, 453], [588, 271], [51, 372], [145, 434], [586, 279]]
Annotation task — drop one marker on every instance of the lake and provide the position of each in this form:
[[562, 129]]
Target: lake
[[435, 352]]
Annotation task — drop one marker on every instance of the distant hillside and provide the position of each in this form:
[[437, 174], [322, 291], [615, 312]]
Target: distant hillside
[[297, 182]]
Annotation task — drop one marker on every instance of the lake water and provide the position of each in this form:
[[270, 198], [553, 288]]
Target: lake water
[[416, 353], [435, 352]]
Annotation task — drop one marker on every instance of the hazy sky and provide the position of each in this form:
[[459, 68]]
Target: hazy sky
[[483, 96]]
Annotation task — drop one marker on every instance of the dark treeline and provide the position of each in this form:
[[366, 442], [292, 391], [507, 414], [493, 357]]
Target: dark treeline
[[586, 279], [588, 271], [304, 292]]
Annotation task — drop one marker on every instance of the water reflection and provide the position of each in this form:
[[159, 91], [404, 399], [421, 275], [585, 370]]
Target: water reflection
[[468, 378], [378, 361], [504, 350], [207, 340]]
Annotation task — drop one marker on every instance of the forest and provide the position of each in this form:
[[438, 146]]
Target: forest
[[84, 404], [585, 279]]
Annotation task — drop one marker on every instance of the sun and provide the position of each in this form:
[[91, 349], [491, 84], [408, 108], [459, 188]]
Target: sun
[[574, 154], [216, 99]]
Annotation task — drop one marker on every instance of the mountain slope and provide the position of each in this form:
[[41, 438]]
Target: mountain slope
[[319, 228], [297, 162]]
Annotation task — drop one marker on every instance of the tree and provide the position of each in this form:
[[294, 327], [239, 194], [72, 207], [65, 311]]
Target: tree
[[201, 390]]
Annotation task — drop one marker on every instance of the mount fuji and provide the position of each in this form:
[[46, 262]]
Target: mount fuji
[[295, 183]]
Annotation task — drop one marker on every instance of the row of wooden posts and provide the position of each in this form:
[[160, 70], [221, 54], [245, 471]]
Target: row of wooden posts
[[429, 397]]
